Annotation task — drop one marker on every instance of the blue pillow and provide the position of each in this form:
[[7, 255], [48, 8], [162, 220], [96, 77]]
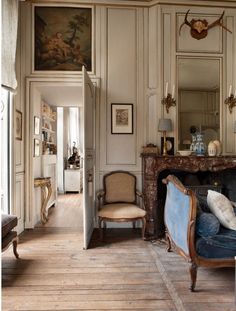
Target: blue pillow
[[207, 225]]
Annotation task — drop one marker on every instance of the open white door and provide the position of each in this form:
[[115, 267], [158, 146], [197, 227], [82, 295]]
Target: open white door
[[88, 157]]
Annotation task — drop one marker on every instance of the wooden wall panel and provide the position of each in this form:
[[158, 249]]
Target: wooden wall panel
[[121, 81]]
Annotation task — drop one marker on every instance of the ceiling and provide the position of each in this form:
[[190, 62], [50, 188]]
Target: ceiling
[[61, 96]]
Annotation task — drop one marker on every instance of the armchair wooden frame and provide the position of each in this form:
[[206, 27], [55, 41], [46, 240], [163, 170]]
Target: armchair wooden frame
[[193, 258], [101, 195]]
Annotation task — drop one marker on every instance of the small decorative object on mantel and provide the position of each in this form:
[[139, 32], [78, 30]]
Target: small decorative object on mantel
[[200, 146], [199, 27], [231, 99], [165, 125], [218, 147], [168, 100], [212, 149], [151, 148]]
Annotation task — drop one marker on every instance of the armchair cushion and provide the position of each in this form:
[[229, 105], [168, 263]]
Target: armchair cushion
[[207, 225], [121, 211], [120, 187]]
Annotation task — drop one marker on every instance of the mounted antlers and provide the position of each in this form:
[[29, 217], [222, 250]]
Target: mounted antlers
[[199, 28]]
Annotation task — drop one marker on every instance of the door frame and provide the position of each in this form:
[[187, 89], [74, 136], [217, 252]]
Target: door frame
[[29, 186]]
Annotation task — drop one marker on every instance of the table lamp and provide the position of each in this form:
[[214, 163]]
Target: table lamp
[[165, 125]]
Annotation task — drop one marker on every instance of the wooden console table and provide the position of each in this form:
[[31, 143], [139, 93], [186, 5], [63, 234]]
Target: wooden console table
[[46, 190], [154, 193]]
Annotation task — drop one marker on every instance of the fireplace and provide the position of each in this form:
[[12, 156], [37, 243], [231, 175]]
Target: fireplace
[[208, 170]]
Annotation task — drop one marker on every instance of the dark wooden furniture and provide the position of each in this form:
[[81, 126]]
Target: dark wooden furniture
[[9, 236], [118, 200], [156, 167], [180, 221]]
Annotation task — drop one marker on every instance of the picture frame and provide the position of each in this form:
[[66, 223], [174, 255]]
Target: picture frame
[[18, 125], [36, 125], [36, 147], [121, 118], [63, 38], [170, 145]]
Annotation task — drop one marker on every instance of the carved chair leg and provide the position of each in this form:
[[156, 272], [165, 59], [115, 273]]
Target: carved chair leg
[[168, 248], [143, 228], [100, 228], [193, 274], [134, 224], [15, 248]]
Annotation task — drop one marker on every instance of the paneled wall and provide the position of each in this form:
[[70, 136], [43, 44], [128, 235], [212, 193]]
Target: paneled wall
[[135, 50]]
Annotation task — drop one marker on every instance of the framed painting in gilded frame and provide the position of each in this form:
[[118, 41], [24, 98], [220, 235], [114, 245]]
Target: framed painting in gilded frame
[[63, 38]]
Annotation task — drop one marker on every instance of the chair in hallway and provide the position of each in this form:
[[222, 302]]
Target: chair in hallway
[[118, 201]]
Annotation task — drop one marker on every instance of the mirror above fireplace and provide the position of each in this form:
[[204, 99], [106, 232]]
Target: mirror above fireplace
[[198, 98]]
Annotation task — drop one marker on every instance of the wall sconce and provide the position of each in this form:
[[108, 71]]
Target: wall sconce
[[231, 99], [168, 100], [165, 125]]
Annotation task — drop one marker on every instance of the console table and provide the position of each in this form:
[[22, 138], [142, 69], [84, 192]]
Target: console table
[[46, 190], [153, 165]]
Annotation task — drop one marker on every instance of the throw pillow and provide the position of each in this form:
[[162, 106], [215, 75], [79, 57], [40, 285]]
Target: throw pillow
[[207, 225], [222, 208]]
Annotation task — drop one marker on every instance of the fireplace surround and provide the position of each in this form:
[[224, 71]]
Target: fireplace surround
[[219, 170]]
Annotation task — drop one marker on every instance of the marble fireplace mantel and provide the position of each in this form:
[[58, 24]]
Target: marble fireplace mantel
[[153, 165]]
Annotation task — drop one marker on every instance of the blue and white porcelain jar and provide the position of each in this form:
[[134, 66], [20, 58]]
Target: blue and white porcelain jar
[[200, 146], [192, 146]]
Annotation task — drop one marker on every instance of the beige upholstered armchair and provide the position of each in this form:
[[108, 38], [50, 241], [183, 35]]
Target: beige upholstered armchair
[[118, 201]]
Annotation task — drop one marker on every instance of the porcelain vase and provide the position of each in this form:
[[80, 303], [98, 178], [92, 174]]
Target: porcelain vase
[[212, 149]]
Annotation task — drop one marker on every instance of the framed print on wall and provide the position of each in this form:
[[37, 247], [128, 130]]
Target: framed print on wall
[[36, 147], [36, 125], [18, 133], [62, 38], [122, 118]]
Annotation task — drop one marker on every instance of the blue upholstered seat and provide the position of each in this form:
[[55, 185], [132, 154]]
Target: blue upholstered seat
[[221, 245]]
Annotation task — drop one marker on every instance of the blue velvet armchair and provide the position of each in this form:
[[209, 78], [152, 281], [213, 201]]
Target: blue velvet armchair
[[216, 250]]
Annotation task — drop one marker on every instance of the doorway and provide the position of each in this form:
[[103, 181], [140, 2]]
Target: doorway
[[60, 96]]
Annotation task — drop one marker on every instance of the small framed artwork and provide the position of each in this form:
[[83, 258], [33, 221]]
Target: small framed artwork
[[18, 133], [169, 145], [36, 147], [36, 125], [122, 118]]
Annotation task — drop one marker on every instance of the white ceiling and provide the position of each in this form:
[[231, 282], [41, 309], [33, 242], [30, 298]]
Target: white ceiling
[[197, 73], [62, 96]]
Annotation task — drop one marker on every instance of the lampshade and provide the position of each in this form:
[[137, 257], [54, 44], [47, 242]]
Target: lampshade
[[165, 125], [234, 126]]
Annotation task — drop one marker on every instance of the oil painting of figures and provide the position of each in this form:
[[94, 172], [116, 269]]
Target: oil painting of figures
[[63, 38]]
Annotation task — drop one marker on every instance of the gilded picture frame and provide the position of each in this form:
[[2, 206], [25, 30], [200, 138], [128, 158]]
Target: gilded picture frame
[[63, 38]]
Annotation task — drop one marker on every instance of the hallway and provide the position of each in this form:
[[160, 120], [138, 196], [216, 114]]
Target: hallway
[[68, 213]]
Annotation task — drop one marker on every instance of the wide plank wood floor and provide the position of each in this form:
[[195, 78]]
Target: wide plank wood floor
[[55, 273], [123, 273]]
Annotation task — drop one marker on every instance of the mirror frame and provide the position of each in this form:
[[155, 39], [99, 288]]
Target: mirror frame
[[205, 57]]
